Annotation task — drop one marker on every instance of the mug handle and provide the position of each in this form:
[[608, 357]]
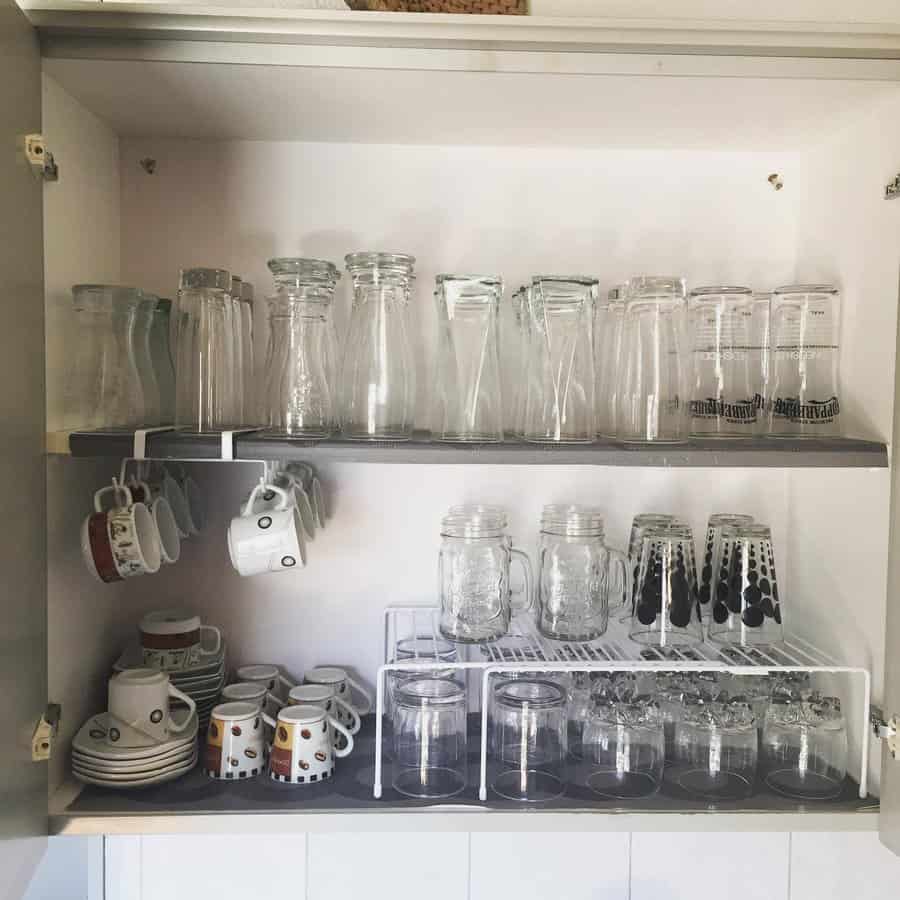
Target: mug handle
[[367, 697], [142, 486], [218, 640], [174, 692], [283, 502], [283, 679], [345, 750], [276, 700], [114, 488], [354, 715], [618, 559], [523, 560], [268, 719]]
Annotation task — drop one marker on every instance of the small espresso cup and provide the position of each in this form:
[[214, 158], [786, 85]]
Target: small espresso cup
[[235, 742], [303, 751], [121, 541], [341, 683], [139, 698], [172, 639], [325, 697], [267, 541]]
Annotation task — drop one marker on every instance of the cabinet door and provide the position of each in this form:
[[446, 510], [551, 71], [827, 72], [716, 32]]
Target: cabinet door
[[23, 594]]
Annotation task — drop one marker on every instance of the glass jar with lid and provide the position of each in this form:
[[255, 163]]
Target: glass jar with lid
[[378, 377], [299, 396]]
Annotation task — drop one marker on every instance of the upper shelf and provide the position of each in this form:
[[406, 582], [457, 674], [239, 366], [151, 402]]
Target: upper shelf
[[697, 452]]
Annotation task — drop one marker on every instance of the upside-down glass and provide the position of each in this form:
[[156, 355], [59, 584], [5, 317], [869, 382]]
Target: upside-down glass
[[299, 396], [804, 747], [720, 319], [143, 361], [559, 403], [641, 523], [252, 414], [760, 357], [608, 318], [203, 383], [102, 383], [651, 384], [519, 355], [421, 649], [429, 738], [577, 573], [161, 357], [805, 337], [624, 748], [750, 612], [467, 381], [666, 612], [716, 557], [233, 311], [473, 578], [528, 740], [378, 380]]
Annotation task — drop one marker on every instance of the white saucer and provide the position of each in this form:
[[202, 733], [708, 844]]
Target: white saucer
[[160, 778], [91, 739], [180, 754], [198, 682]]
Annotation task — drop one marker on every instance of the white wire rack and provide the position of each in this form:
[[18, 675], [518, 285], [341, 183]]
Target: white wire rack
[[525, 650]]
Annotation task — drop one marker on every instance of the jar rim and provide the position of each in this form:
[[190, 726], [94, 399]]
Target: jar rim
[[806, 289], [649, 287], [368, 259], [303, 267], [200, 277]]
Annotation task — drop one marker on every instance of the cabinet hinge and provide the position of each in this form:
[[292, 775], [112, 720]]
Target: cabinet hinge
[[45, 733], [886, 729], [40, 157], [892, 189]]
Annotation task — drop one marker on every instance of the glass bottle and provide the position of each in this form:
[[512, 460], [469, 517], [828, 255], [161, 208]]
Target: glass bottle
[[805, 330], [143, 359], [299, 396], [469, 405], [102, 380], [204, 350], [161, 357], [251, 414], [237, 351], [607, 343], [377, 387]]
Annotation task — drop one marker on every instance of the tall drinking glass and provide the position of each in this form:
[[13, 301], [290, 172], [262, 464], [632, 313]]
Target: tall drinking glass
[[607, 345]]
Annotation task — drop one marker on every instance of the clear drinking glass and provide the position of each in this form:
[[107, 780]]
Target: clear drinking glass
[[672, 689], [722, 402], [608, 318], [805, 329], [804, 747], [468, 393], [237, 351], [575, 572], [714, 571], [760, 356], [520, 355], [750, 612], [423, 649], [641, 523], [161, 356], [666, 612], [473, 576], [298, 394], [250, 403], [102, 383], [559, 403], [377, 388], [624, 748], [143, 359], [204, 349], [650, 390], [429, 758], [528, 740]]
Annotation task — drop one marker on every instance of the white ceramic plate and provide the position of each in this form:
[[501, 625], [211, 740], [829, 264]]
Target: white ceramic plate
[[91, 739], [160, 778], [141, 767], [188, 683]]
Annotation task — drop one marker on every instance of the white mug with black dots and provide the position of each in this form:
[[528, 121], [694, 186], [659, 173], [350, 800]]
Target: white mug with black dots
[[303, 751]]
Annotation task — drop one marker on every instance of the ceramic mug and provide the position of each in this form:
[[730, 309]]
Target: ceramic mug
[[325, 696], [267, 675], [164, 519], [121, 542], [251, 692], [268, 541], [172, 639], [341, 683], [168, 488], [303, 751], [139, 698], [294, 487], [312, 487], [235, 742]]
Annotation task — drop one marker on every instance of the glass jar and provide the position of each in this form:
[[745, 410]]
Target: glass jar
[[378, 377], [651, 385], [575, 571], [429, 746], [804, 746], [559, 404], [204, 349], [299, 397], [102, 384], [161, 357], [467, 382], [251, 402], [608, 317], [721, 403], [143, 359], [529, 740], [805, 335]]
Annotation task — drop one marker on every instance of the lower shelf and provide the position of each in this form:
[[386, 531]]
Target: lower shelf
[[196, 803]]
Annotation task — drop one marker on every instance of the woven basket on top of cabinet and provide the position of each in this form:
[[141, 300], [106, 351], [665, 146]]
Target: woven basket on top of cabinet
[[483, 7]]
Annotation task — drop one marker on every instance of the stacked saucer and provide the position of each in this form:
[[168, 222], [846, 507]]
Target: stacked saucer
[[202, 680], [110, 754]]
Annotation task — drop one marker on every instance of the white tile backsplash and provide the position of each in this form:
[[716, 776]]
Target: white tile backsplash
[[709, 866]]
